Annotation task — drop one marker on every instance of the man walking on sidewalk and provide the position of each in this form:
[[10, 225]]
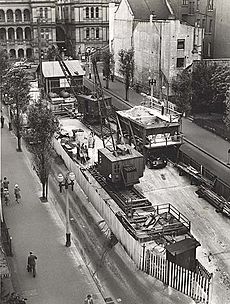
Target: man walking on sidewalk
[[2, 120], [32, 263]]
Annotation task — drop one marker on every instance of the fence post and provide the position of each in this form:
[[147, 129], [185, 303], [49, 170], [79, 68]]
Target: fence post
[[143, 257]]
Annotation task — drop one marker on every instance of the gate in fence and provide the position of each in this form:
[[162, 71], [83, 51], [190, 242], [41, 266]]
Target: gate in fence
[[195, 284]]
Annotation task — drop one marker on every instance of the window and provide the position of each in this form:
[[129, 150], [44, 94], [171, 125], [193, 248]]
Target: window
[[184, 17], [92, 12], [97, 33], [92, 33], [191, 7], [198, 22], [42, 33], [180, 62], [46, 12], [47, 34], [210, 5], [87, 33], [209, 49], [210, 26], [185, 2], [197, 5], [87, 12], [180, 44], [97, 12], [41, 12], [203, 23]]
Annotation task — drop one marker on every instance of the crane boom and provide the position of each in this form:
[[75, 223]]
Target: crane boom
[[104, 110]]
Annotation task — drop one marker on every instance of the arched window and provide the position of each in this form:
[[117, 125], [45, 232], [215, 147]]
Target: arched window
[[12, 53], [92, 12], [20, 53], [29, 53], [2, 34], [97, 33], [9, 16], [27, 33], [87, 33], [97, 12], [18, 15], [46, 12], [26, 15], [41, 12], [2, 16], [92, 33], [87, 12], [19, 34], [11, 35]]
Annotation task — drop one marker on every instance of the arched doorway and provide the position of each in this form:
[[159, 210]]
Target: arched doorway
[[20, 53], [11, 35], [2, 35], [29, 53], [12, 53]]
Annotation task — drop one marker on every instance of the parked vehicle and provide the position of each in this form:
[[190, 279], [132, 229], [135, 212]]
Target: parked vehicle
[[156, 162]]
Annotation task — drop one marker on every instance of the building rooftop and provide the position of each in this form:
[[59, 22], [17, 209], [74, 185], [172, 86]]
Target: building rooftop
[[52, 69], [142, 9], [149, 117], [182, 246]]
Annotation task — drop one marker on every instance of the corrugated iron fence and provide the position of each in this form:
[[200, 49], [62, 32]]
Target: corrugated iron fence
[[195, 284]]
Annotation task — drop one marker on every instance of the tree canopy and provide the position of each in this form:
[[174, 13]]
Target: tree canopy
[[42, 124], [204, 89], [126, 68], [16, 89]]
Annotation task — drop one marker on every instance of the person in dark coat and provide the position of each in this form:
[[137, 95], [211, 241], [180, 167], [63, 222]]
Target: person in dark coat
[[31, 264], [88, 299], [5, 183], [2, 120]]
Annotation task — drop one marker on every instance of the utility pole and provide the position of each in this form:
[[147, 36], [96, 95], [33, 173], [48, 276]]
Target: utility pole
[[40, 79], [160, 74]]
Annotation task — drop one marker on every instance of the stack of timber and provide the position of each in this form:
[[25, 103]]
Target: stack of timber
[[217, 201]]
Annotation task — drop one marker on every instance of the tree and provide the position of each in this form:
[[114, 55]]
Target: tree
[[182, 87], [220, 82], [42, 124], [17, 88], [107, 58], [52, 53], [227, 109], [202, 90], [126, 61], [3, 67]]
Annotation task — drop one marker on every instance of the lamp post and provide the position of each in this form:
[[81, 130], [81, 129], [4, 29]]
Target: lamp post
[[151, 83], [67, 181]]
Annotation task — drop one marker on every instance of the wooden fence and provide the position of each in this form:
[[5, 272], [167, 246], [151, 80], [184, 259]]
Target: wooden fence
[[195, 284]]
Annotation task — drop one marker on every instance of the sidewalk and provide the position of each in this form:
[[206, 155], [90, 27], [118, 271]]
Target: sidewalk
[[62, 277]]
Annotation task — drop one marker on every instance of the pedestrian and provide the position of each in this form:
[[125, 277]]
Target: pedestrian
[[17, 193], [162, 107], [5, 183], [88, 299], [6, 196], [2, 120], [31, 264]]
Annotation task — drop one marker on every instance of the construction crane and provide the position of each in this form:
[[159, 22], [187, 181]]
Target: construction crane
[[104, 110]]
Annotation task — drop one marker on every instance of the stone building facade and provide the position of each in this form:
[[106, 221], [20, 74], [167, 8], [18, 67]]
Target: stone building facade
[[75, 26]]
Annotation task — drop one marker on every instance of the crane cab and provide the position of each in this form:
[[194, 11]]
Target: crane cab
[[122, 168]]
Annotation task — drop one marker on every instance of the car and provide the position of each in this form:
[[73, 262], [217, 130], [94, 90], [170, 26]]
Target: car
[[156, 161]]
